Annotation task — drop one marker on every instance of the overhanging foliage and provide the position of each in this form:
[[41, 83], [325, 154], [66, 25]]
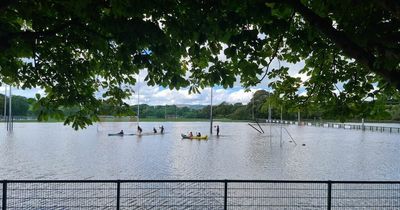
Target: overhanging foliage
[[72, 49]]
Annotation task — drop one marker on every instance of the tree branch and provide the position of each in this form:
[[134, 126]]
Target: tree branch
[[390, 5], [30, 36], [5, 3], [40, 34], [350, 48], [275, 53]]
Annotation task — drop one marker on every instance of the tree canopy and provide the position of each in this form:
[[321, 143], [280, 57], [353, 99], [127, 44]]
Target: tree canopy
[[72, 49]]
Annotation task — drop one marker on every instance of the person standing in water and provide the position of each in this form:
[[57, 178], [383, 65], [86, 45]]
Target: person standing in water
[[139, 130], [217, 130], [154, 130], [162, 129]]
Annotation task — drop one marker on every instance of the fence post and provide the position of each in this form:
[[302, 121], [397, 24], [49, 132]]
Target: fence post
[[4, 197], [329, 195], [118, 192], [225, 194]]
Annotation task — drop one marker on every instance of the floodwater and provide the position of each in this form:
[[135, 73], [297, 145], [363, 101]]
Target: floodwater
[[54, 151]]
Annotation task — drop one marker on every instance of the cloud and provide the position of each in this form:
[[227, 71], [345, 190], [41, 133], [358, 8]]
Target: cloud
[[165, 96], [155, 95], [28, 93], [235, 95]]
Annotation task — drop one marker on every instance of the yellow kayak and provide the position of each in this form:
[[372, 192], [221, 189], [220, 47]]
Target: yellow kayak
[[194, 137]]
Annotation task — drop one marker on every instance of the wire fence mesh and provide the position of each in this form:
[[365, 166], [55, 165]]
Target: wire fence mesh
[[172, 195], [198, 194], [249, 195], [1, 195], [339, 125], [61, 195], [366, 196]]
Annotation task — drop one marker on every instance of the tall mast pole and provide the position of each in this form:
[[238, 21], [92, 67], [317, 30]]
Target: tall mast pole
[[211, 112], [5, 103], [269, 108], [253, 106], [298, 116], [10, 111], [138, 110]]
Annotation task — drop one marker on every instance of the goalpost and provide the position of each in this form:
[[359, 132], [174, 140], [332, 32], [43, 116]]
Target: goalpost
[[115, 124]]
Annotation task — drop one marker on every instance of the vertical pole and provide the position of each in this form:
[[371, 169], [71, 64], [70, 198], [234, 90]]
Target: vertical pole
[[211, 112], [281, 137], [4, 197], [329, 195], [5, 103], [269, 110], [225, 194], [9, 110], [138, 103], [118, 193], [253, 108], [11, 115], [281, 128], [298, 117]]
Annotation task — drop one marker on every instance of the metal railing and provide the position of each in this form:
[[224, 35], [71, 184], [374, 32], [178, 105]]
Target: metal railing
[[341, 126], [198, 194]]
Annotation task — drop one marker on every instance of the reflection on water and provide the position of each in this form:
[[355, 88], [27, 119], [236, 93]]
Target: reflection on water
[[52, 151]]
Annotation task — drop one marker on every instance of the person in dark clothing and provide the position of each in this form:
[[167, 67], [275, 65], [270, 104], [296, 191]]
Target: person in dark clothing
[[121, 132], [154, 130], [217, 130], [199, 134], [139, 129], [162, 129]]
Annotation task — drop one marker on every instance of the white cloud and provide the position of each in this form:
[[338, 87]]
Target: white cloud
[[29, 93], [155, 95], [240, 96], [150, 95]]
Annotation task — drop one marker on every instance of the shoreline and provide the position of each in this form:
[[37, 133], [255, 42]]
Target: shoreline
[[141, 120]]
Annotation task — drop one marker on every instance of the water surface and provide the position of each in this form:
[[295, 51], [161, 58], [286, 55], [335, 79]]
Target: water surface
[[54, 151]]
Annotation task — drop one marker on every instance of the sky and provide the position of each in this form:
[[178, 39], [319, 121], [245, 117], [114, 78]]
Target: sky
[[154, 95]]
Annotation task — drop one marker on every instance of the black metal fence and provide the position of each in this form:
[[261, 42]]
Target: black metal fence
[[198, 194]]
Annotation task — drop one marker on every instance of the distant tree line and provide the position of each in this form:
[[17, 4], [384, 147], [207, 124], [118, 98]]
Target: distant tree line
[[21, 106], [382, 108], [224, 110]]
